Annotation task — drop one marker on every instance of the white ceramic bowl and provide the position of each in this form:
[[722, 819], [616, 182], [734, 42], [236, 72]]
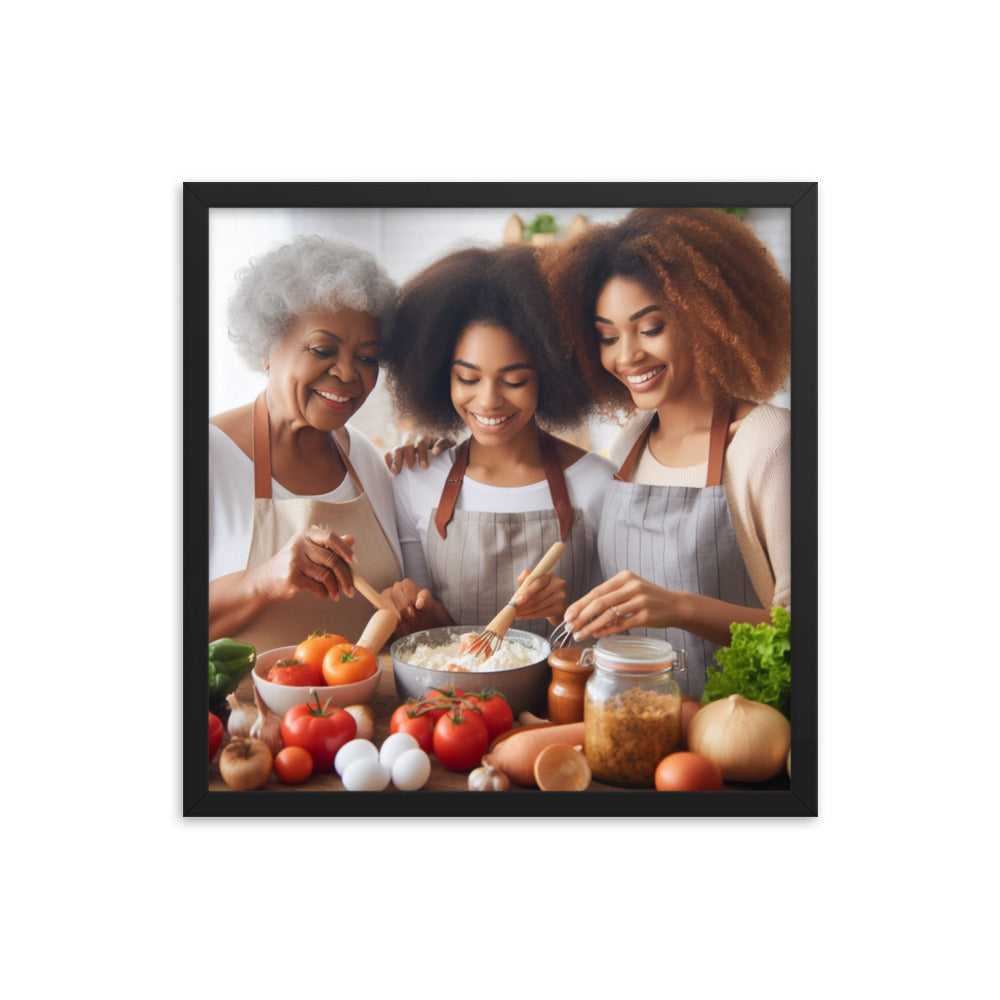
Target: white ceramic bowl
[[281, 697]]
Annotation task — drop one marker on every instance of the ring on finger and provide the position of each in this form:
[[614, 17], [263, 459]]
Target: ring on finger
[[616, 613]]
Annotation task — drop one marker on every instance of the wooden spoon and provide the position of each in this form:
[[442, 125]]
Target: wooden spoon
[[369, 592], [380, 626]]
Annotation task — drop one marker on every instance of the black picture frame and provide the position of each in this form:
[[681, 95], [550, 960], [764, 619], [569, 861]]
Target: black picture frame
[[801, 797]]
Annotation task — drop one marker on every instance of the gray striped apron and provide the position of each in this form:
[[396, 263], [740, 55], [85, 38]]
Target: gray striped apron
[[474, 557], [679, 538]]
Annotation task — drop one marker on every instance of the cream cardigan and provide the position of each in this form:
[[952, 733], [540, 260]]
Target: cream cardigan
[[756, 477]]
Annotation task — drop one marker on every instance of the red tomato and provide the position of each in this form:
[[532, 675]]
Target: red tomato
[[293, 765], [313, 649], [685, 771], [320, 729], [295, 673], [460, 739], [419, 724], [347, 663], [494, 710], [216, 730], [445, 696]]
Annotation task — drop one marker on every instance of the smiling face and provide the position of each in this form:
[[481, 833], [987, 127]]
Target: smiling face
[[494, 386], [324, 368], [640, 345]]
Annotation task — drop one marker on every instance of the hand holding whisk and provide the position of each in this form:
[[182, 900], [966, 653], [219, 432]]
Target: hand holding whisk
[[488, 641], [561, 636]]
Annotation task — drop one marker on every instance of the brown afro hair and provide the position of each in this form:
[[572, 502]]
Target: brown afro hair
[[502, 285], [707, 269]]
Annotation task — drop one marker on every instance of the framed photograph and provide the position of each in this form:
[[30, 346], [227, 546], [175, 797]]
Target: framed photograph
[[255, 373]]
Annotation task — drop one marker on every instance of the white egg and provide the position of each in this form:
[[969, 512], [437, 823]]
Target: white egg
[[354, 750], [366, 775], [411, 770], [394, 745]]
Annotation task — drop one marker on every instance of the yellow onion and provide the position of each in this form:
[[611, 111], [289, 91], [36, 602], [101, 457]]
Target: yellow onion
[[748, 740], [245, 764]]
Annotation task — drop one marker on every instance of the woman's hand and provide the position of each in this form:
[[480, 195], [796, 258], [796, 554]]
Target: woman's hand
[[316, 561], [416, 450], [542, 598], [418, 608], [625, 601]]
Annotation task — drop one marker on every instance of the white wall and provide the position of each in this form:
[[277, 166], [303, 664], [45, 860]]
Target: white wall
[[404, 240]]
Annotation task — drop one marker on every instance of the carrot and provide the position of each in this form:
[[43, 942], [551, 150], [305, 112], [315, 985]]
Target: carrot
[[515, 753]]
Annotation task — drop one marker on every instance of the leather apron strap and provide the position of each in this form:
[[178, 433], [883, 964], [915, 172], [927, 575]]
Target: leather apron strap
[[717, 441], [449, 495], [262, 452], [553, 475], [624, 474], [721, 419], [557, 485]]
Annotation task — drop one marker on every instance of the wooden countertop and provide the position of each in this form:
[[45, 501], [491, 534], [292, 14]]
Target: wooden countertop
[[384, 703]]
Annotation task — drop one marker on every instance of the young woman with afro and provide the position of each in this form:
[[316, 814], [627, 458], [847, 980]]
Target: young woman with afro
[[682, 318], [474, 345]]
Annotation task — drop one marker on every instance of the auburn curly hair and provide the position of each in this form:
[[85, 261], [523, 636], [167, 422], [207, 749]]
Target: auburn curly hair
[[503, 286], [708, 270]]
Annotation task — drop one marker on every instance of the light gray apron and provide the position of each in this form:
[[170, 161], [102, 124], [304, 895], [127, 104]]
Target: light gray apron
[[679, 538], [287, 623], [475, 557]]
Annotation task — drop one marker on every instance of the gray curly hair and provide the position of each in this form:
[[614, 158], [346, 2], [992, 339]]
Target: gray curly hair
[[310, 272]]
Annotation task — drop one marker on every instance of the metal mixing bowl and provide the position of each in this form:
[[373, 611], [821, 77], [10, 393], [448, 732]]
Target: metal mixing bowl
[[525, 688]]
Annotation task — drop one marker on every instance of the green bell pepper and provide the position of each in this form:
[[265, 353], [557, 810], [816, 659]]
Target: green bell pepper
[[228, 663]]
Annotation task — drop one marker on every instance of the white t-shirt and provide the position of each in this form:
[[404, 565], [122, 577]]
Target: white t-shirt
[[418, 491], [230, 506]]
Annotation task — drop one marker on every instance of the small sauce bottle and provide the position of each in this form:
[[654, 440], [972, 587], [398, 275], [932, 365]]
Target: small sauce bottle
[[566, 687]]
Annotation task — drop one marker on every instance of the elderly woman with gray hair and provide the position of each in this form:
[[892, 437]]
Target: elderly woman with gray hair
[[292, 488]]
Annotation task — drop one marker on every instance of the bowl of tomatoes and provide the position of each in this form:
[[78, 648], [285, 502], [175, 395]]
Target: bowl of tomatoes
[[338, 671], [525, 686]]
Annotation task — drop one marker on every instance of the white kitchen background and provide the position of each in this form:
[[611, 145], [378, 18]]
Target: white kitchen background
[[405, 240]]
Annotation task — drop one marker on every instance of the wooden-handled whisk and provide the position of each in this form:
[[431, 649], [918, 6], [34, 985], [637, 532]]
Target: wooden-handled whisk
[[487, 642]]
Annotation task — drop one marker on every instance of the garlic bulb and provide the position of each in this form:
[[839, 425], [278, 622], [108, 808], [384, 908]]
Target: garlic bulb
[[241, 717], [365, 718], [267, 727], [749, 741], [488, 779]]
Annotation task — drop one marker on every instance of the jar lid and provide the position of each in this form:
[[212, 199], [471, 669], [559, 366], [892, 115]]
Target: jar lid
[[634, 654]]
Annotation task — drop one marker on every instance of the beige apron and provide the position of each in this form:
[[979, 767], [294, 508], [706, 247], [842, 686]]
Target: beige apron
[[287, 623]]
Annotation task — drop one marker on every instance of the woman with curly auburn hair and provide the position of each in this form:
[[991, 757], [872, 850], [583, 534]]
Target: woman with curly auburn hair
[[474, 344], [682, 317], [291, 487]]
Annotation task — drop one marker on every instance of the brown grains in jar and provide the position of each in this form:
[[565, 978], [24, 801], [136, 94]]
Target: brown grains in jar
[[626, 736]]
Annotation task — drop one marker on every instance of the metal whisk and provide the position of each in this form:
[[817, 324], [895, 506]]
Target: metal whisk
[[487, 642], [561, 636]]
